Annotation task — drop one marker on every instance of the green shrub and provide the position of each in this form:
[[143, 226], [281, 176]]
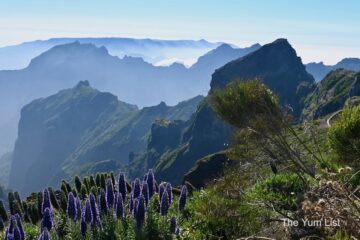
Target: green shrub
[[281, 191], [344, 136]]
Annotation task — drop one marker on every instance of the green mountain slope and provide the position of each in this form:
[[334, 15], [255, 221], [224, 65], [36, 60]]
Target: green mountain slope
[[276, 64], [331, 93], [79, 131]]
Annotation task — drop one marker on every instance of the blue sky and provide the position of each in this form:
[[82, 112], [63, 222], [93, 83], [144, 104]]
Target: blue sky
[[325, 30]]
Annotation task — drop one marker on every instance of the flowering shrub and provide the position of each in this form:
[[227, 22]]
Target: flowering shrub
[[109, 210]]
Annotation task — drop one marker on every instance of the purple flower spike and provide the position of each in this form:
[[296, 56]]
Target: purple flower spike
[[137, 188], [103, 202], [140, 213], [78, 208], [47, 221], [164, 204], [162, 188], [145, 192], [71, 207], [45, 235], [94, 209], [17, 235], [12, 225], [119, 207], [169, 192], [122, 185], [46, 200], [136, 204], [20, 226], [83, 226], [87, 212], [173, 225], [183, 198], [151, 183], [110, 197]]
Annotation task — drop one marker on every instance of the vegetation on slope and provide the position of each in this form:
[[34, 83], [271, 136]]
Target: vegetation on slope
[[331, 94], [282, 173], [252, 201]]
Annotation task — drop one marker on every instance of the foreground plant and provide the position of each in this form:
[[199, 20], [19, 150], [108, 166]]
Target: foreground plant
[[111, 212]]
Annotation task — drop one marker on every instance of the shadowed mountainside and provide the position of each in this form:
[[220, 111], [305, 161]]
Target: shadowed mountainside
[[276, 64], [131, 78], [81, 130], [331, 94]]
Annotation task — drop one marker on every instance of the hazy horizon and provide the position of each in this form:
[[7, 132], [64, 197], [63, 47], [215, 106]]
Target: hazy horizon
[[319, 31]]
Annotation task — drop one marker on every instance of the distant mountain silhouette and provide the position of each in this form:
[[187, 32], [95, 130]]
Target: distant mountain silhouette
[[131, 78], [320, 70], [151, 50], [82, 130]]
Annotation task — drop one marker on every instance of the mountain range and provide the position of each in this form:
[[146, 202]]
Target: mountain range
[[320, 70], [131, 78], [82, 130], [151, 50]]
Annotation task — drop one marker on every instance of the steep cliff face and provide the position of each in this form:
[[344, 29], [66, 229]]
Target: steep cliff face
[[204, 135], [165, 136], [278, 66], [207, 169], [331, 94], [80, 131], [50, 130]]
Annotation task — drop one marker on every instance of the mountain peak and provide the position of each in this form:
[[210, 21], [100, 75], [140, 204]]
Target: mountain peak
[[84, 83], [281, 40], [276, 64], [69, 52]]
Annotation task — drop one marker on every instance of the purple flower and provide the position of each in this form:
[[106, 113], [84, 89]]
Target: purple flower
[[137, 188], [17, 235], [140, 212], [169, 192], [164, 204], [131, 208], [122, 185], [173, 225], [103, 202], [71, 207], [78, 208], [45, 235], [12, 224], [162, 188], [87, 212], [9, 236], [182, 198], [94, 209], [110, 197], [46, 200], [136, 204], [145, 192], [47, 221], [119, 207], [83, 226], [116, 198], [151, 183], [20, 226]]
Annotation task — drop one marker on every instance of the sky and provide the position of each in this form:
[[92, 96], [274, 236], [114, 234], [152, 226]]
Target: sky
[[319, 30]]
